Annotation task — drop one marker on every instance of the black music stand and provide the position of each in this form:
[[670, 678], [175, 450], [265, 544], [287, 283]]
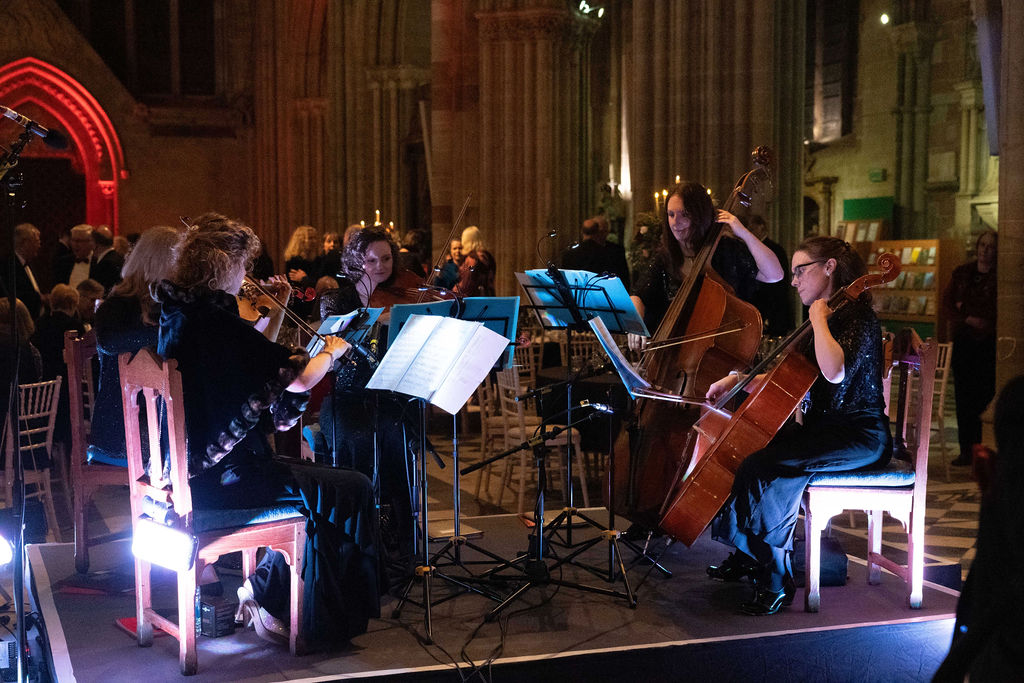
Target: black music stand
[[567, 300], [439, 361], [499, 314]]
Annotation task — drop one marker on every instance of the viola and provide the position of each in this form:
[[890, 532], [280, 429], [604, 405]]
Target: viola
[[706, 332], [724, 439]]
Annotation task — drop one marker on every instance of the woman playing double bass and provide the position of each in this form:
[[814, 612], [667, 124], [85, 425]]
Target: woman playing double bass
[[740, 260], [845, 428]]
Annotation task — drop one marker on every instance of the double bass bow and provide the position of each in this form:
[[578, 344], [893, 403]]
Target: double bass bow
[[706, 332], [724, 439]]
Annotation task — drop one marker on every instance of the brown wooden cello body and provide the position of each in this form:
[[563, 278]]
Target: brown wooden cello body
[[720, 333], [724, 439]]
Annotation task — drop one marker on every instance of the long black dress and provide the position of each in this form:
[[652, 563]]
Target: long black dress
[[354, 422], [234, 383], [845, 428]]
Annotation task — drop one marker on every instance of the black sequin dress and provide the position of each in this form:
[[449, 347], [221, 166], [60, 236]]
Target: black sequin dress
[[845, 428]]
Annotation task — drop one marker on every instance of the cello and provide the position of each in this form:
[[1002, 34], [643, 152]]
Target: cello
[[706, 332], [724, 439]]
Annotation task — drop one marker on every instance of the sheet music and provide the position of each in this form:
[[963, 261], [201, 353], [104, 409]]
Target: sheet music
[[475, 361], [441, 360], [634, 383], [339, 325]]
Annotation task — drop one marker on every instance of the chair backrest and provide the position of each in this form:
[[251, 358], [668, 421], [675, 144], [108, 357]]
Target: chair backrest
[[943, 361], [165, 478], [526, 362], [37, 413], [513, 415], [911, 417], [78, 356]]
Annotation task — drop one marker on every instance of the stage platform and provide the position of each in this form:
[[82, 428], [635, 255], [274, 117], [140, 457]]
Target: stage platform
[[684, 628]]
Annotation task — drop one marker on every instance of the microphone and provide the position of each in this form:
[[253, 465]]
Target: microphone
[[599, 407], [51, 137]]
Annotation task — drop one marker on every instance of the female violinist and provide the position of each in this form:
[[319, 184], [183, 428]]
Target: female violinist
[[740, 260], [237, 385], [362, 428], [845, 428]]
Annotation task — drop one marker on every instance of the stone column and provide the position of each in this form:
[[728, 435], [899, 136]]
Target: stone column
[[1010, 346], [531, 133]]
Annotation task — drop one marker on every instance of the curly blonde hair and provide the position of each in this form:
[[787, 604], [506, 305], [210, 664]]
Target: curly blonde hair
[[150, 261], [212, 252]]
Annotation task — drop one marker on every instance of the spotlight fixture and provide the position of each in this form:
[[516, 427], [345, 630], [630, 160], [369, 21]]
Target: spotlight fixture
[[164, 545]]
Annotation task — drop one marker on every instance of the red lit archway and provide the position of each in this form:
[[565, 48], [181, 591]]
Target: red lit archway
[[47, 94]]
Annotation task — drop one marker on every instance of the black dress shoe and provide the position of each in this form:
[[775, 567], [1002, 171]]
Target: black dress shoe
[[765, 602], [733, 568]]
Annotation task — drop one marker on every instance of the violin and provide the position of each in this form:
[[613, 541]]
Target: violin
[[258, 298]]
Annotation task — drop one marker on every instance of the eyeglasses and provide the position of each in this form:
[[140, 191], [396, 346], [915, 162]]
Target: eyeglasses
[[798, 271]]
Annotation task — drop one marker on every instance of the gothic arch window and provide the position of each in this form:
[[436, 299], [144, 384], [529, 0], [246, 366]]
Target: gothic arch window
[[50, 96]]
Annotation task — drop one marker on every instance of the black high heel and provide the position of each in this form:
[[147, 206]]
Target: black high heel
[[733, 568]]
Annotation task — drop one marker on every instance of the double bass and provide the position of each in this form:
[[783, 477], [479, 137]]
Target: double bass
[[706, 332], [725, 439]]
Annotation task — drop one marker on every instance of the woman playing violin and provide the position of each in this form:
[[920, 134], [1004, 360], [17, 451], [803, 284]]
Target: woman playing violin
[[350, 416], [845, 427], [740, 260], [238, 385]]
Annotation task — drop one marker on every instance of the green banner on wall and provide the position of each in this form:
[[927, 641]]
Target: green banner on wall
[[867, 208]]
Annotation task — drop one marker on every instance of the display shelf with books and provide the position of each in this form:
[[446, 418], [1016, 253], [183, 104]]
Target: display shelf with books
[[915, 295]]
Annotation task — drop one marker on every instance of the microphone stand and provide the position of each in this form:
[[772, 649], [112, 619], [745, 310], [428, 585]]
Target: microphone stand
[[8, 185]]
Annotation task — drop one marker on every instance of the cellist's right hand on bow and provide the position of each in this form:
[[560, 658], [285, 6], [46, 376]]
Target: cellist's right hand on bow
[[722, 387]]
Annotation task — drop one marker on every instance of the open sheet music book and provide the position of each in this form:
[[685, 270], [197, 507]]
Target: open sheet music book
[[636, 385], [439, 359]]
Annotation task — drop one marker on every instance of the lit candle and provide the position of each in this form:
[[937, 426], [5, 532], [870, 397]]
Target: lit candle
[[362, 224], [677, 179], [657, 197], [376, 217]]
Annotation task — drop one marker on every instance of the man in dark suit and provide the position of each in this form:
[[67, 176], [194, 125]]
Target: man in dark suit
[[73, 268], [26, 248], [595, 253], [106, 263]]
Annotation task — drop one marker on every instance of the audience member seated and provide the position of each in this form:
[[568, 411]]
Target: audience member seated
[[30, 364], [300, 264], [125, 322], [477, 271], [49, 339], [90, 293], [595, 253], [449, 274]]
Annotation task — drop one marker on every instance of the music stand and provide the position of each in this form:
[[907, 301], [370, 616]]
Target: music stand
[[567, 299], [439, 361], [500, 315]]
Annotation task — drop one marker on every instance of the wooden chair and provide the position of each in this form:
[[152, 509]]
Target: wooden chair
[[86, 477], [899, 489], [37, 413], [942, 372], [217, 532], [491, 428], [518, 427]]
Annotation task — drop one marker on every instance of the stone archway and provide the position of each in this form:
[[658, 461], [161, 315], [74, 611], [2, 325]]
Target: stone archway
[[49, 95]]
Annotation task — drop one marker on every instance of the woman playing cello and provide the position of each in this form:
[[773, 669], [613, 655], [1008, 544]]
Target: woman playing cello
[[845, 428], [740, 260]]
